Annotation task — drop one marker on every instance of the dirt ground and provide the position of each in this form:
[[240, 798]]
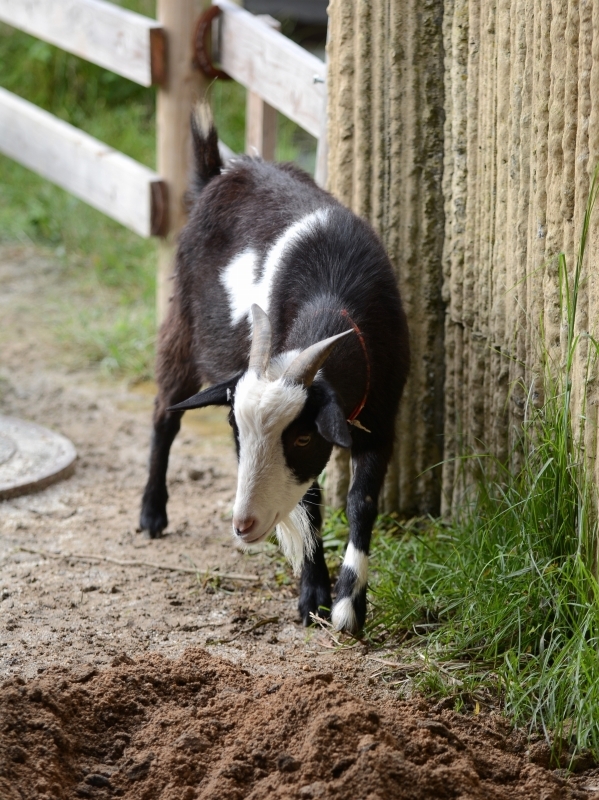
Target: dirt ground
[[139, 682]]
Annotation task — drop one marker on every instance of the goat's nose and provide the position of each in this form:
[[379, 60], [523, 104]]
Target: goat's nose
[[243, 527]]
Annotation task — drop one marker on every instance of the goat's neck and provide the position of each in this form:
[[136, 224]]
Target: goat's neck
[[346, 369]]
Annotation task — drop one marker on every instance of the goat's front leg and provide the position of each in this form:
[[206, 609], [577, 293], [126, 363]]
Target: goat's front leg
[[349, 609], [315, 585]]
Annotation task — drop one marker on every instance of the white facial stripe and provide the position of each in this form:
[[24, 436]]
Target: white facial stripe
[[357, 561], [267, 490], [262, 405], [239, 276], [343, 615]]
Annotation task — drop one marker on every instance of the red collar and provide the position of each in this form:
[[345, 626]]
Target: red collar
[[353, 417]]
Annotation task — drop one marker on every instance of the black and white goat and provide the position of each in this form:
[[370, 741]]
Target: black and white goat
[[285, 302]]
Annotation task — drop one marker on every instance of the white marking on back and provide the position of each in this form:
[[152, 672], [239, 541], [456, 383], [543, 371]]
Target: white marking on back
[[239, 276], [238, 280]]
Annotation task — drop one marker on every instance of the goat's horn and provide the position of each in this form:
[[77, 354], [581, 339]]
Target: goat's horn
[[304, 367], [261, 341]]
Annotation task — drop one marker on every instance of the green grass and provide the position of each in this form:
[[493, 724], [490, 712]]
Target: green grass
[[504, 600], [107, 315]]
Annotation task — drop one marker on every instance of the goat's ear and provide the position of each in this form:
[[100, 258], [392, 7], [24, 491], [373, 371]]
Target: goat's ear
[[218, 395], [332, 425]]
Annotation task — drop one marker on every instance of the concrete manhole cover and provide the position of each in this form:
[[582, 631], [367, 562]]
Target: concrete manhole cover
[[7, 448], [31, 457]]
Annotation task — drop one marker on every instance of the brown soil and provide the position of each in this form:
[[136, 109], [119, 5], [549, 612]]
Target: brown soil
[[108, 688], [200, 727]]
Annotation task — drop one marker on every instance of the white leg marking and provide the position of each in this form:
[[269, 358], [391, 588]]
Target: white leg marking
[[357, 561], [343, 615]]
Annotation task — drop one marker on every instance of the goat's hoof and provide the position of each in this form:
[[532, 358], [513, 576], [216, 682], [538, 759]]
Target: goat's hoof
[[149, 534], [153, 523], [314, 602], [349, 614]]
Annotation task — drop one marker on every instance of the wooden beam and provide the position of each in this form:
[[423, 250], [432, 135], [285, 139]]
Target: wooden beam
[[119, 40], [322, 145], [285, 75], [260, 117], [106, 179], [183, 87], [322, 157], [260, 128]]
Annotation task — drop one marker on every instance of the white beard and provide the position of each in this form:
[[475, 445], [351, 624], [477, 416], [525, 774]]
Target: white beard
[[296, 538]]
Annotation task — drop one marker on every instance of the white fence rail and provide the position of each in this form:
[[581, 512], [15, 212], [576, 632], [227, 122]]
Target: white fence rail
[[277, 73], [106, 179], [119, 40], [289, 78]]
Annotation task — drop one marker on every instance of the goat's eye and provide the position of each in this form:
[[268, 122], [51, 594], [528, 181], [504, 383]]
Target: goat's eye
[[302, 441]]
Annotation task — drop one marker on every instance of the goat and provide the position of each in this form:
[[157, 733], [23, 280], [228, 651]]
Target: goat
[[328, 359]]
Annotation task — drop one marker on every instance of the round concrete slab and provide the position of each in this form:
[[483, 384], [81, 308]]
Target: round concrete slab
[[31, 457]]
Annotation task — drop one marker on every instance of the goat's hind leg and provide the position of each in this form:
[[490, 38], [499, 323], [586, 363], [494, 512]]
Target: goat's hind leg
[[349, 609], [153, 518], [177, 380], [315, 585]]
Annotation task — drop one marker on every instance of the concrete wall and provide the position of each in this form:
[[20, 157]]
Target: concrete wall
[[466, 131], [385, 161], [521, 140]]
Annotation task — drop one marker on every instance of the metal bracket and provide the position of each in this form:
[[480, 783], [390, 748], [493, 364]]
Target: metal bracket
[[202, 57]]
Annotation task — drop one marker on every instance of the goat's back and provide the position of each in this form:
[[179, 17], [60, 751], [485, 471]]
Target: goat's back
[[228, 258]]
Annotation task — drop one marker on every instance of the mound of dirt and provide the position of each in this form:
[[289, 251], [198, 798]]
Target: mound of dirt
[[201, 727]]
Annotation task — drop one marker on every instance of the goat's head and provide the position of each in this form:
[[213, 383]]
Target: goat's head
[[285, 424]]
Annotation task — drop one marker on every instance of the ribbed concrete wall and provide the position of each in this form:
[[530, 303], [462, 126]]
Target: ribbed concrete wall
[[519, 93], [521, 141], [385, 161]]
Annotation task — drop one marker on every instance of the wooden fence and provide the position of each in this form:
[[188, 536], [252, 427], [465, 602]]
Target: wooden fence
[[278, 74]]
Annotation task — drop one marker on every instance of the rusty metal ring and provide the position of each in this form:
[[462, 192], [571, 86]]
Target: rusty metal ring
[[203, 58]]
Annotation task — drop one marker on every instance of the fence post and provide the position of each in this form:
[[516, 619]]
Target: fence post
[[260, 117], [183, 86], [321, 168]]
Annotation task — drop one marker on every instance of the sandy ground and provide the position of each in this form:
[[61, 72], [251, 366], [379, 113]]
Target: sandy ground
[[78, 637], [63, 612]]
